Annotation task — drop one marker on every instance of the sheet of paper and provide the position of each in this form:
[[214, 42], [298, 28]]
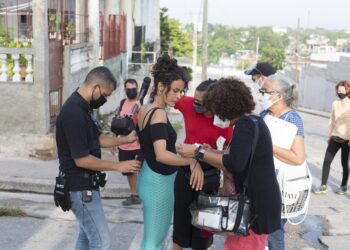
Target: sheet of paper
[[282, 132], [209, 220]]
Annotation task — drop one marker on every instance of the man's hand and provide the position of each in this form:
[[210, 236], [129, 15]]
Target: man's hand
[[132, 137], [197, 176], [132, 166], [186, 150]]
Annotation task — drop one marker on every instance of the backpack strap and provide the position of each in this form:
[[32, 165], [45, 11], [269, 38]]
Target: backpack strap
[[121, 106]]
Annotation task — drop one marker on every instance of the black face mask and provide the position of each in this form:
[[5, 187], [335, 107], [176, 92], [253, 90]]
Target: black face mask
[[198, 108], [131, 93], [95, 104], [341, 95]]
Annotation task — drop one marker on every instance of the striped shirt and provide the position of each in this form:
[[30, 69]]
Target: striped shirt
[[291, 116]]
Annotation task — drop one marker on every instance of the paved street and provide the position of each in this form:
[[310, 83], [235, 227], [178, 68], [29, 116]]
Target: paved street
[[49, 228]]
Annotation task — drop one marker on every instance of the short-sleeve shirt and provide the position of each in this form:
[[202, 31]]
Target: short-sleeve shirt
[[77, 134], [199, 128], [151, 133], [291, 116]]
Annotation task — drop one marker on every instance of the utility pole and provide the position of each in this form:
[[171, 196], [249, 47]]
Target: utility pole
[[257, 49], [296, 54], [205, 41], [194, 42]]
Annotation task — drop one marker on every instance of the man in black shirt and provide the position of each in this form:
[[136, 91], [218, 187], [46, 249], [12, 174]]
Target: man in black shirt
[[79, 144]]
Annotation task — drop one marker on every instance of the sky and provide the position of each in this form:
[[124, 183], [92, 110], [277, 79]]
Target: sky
[[327, 14]]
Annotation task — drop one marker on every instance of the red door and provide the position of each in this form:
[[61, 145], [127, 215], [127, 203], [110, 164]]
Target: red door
[[56, 78]]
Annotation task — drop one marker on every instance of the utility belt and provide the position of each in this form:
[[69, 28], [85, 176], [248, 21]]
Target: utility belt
[[75, 182], [83, 181]]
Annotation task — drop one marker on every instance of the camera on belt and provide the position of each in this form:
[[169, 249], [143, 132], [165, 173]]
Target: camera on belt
[[124, 125], [99, 179]]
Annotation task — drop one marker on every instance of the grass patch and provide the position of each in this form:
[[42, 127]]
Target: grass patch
[[177, 126], [13, 212]]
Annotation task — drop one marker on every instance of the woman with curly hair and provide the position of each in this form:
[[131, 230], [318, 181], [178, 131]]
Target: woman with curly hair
[[157, 139], [232, 103]]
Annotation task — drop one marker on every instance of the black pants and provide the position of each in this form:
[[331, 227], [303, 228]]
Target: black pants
[[331, 151], [184, 234]]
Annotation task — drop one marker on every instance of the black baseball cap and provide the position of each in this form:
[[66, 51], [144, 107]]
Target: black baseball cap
[[260, 68]]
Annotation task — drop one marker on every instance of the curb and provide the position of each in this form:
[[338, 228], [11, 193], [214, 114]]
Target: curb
[[46, 187], [314, 112]]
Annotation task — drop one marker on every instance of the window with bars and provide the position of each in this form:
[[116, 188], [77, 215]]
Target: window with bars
[[68, 21], [16, 22]]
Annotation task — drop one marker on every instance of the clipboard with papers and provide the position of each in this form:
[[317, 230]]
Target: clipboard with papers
[[282, 132]]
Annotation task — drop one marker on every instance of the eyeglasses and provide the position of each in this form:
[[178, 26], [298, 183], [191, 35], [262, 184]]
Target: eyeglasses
[[264, 91]]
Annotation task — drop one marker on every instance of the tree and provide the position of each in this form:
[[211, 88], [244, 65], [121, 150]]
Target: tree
[[172, 37], [164, 30], [273, 55]]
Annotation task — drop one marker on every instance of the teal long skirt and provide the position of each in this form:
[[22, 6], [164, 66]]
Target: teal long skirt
[[157, 194]]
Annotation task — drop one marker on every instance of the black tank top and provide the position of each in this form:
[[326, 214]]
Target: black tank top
[[154, 132]]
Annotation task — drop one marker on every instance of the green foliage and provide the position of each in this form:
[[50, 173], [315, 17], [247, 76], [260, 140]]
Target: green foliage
[[13, 212], [225, 39], [275, 56], [172, 37], [190, 73], [243, 64], [177, 126], [164, 30]]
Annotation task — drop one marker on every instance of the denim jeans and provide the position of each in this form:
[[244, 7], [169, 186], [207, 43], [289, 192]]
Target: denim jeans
[[94, 233], [276, 239]]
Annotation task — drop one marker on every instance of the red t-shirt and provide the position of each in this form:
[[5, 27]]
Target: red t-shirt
[[199, 128]]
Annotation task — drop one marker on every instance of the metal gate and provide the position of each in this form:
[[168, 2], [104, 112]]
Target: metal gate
[[67, 24], [55, 78]]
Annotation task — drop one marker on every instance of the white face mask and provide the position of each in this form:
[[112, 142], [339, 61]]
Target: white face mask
[[260, 82], [220, 123], [264, 101]]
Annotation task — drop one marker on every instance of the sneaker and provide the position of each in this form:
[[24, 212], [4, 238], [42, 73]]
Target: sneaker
[[132, 200], [321, 190], [342, 190]]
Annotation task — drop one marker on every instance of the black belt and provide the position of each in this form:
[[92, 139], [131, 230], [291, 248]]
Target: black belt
[[82, 181]]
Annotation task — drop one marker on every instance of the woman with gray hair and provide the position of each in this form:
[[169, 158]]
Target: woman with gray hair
[[277, 99]]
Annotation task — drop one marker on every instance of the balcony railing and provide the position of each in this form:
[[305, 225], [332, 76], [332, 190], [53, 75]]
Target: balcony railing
[[16, 65]]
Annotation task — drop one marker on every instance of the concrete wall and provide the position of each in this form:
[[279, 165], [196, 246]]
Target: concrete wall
[[24, 108], [78, 61], [119, 68], [316, 89]]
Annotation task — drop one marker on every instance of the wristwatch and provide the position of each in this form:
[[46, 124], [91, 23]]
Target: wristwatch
[[200, 154]]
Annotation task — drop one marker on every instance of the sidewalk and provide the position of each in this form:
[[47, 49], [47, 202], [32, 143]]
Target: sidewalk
[[36, 176]]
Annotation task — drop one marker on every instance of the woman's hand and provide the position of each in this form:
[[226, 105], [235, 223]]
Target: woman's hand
[[197, 175], [186, 150]]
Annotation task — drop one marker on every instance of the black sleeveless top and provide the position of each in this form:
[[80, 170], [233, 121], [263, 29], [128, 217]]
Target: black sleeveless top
[[151, 133]]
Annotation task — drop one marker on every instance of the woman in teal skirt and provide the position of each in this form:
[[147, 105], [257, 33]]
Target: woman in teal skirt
[[157, 139]]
